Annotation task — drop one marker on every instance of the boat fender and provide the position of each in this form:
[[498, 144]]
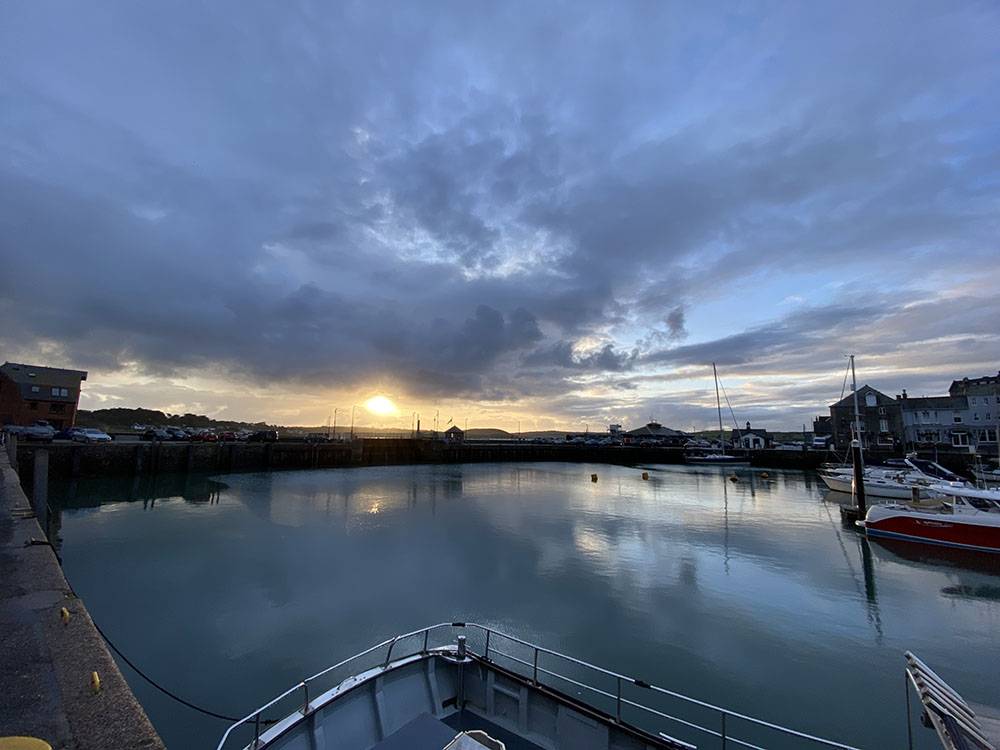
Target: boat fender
[[733, 478], [764, 475], [95, 682], [645, 475], [64, 613], [593, 477]]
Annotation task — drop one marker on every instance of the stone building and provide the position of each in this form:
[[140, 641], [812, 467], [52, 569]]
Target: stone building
[[881, 420]]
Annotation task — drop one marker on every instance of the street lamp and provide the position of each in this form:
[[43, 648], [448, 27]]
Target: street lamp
[[335, 424], [352, 420]]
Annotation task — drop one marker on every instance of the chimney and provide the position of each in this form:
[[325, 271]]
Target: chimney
[[748, 427], [904, 394]]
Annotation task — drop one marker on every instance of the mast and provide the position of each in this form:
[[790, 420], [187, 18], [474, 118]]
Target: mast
[[718, 405], [857, 413]]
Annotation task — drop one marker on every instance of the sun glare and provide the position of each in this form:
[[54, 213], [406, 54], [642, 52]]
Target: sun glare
[[380, 405]]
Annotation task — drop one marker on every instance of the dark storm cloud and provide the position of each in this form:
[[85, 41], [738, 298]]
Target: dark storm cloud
[[465, 197]]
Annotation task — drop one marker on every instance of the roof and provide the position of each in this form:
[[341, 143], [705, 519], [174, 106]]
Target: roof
[[934, 402], [34, 375], [752, 431], [848, 400], [454, 430], [654, 428], [988, 384], [44, 378]]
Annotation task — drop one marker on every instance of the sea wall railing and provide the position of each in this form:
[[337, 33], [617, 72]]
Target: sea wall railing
[[527, 665]]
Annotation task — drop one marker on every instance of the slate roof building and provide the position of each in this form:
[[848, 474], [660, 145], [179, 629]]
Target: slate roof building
[[30, 392], [656, 431], [752, 438], [881, 420], [968, 417]]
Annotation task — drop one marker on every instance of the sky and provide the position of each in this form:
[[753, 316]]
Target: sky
[[520, 215]]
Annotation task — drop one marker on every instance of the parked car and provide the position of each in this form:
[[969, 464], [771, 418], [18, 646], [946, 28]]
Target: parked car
[[91, 435], [227, 436], [263, 436], [67, 434], [155, 434], [39, 430], [176, 433], [317, 437], [204, 436]]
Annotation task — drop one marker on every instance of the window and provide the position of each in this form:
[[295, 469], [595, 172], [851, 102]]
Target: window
[[57, 408], [64, 392], [972, 401], [958, 417], [883, 425], [959, 439], [975, 416], [55, 391], [881, 410], [33, 405], [35, 389], [870, 399]]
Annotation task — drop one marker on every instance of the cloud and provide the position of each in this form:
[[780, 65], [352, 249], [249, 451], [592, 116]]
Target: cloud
[[502, 205]]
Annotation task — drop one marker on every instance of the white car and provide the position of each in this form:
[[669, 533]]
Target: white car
[[91, 435]]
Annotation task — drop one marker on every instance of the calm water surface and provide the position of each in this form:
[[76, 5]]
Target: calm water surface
[[748, 594]]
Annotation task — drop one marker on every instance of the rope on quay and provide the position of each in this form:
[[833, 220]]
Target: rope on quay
[[166, 692]]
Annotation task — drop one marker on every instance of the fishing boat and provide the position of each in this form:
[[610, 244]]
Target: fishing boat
[[717, 458], [467, 686], [967, 518]]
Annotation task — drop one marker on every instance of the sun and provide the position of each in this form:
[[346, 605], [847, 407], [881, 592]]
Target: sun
[[380, 405]]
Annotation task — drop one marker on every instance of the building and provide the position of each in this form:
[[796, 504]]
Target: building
[[881, 420], [656, 431], [751, 439], [28, 393], [454, 433], [967, 418]]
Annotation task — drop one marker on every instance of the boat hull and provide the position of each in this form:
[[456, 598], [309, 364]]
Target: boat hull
[[935, 528], [873, 488]]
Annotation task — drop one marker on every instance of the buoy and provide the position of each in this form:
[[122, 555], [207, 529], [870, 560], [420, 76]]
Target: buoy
[[95, 682], [764, 475], [64, 613], [733, 478], [645, 475], [593, 477]]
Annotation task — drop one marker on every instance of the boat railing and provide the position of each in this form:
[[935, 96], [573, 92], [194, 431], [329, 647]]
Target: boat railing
[[579, 675]]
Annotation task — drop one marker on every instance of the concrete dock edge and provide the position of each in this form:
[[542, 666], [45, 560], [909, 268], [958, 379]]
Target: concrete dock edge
[[46, 660]]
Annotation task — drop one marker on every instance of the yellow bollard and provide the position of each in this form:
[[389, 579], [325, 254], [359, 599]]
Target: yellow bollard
[[95, 682], [64, 613], [645, 475], [23, 743], [593, 477]]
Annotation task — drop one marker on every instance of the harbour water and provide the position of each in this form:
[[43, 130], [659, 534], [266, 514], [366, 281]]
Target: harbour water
[[748, 594]]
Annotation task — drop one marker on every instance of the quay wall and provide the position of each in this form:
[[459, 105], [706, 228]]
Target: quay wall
[[48, 658], [68, 460]]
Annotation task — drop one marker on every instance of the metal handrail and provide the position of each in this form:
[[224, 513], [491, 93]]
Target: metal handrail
[[537, 670]]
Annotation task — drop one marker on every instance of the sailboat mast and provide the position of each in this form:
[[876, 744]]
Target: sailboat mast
[[718, 405], [857, 412]]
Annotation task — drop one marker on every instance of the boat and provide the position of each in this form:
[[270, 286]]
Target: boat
[[907, 478], [463, 685], [968, 518], [717, 458], [987, 477]]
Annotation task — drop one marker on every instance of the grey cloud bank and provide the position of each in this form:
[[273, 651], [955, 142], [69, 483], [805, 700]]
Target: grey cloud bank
[[571, 204]]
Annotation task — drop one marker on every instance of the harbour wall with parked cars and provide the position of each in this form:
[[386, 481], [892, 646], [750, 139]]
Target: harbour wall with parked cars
[[68, 460]]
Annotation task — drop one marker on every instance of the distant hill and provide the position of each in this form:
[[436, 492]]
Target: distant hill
[[121, 420]]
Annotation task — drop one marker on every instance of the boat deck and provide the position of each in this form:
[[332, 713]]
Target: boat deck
[[427, 732]]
